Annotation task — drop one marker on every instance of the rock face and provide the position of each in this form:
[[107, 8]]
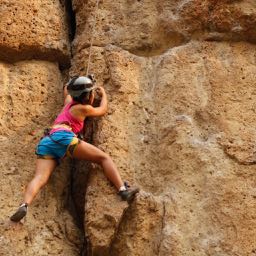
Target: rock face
[[180, 78], [181, 128], [151, 27], [34, 29], [29, 90], [35, 33]]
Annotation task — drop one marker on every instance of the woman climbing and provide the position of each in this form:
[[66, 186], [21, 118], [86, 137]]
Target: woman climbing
[[62, 141]]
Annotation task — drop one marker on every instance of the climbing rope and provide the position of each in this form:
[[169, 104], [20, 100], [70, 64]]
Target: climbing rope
[[93, 26]]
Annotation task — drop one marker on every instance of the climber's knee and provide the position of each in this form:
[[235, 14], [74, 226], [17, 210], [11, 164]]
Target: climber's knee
[[101, 158]]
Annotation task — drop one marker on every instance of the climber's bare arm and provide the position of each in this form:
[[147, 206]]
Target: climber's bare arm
[[89, 110], [67, 97]]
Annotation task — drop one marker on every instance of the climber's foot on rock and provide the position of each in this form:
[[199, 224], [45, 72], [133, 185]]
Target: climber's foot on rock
[[20, 213], [129, 193]]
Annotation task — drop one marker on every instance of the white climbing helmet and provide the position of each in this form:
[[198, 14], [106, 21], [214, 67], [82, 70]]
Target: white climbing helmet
[[80, 84]]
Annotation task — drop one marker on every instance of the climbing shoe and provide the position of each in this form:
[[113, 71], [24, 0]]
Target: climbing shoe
[[20, 213], [129, 193]]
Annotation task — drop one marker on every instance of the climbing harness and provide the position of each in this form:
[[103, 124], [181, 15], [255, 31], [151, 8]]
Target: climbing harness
[[69, 148], [47, 134], [90, 50]]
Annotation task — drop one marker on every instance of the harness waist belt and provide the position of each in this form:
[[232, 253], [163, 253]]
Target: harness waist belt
[[56, 126]]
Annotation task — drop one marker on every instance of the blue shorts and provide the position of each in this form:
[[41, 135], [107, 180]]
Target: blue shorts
[[57, 145]]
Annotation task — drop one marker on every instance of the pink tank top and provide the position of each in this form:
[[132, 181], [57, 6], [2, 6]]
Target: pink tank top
[[65, 117]]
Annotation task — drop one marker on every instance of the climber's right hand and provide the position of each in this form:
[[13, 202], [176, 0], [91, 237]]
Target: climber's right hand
[[100, 91]]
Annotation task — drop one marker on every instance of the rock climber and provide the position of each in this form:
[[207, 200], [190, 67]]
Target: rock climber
[[61, 140]]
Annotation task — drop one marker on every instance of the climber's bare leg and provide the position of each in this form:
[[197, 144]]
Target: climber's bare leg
[[86, 151], [44, 169]]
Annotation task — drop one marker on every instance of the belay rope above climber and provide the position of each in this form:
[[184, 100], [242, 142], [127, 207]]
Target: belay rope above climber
[[93, 26]]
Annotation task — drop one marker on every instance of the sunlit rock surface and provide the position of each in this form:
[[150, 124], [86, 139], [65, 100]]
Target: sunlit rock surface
[[180, 78]]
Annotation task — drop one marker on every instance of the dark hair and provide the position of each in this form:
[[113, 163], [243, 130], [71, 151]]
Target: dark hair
[[83, 98]]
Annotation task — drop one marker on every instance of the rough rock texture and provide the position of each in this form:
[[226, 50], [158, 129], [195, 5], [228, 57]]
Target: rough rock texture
[[180, 125], [152, 27], [28, 94], [180, 77], [34, 29], [36, 34]]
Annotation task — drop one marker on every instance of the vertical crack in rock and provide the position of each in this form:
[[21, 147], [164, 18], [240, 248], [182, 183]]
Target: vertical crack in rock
[[78, 179], [78, 169], [79, 172], [71, 18]]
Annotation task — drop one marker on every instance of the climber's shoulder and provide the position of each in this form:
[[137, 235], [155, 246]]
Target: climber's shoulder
[[89, 110]]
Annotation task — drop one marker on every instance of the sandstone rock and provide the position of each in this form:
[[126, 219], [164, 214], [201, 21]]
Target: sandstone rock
[[33, 29], [152, 27], [135, 26], [176, 124], [30, 98], [28, 95], [138, 235], [180, 125], [218, 20]]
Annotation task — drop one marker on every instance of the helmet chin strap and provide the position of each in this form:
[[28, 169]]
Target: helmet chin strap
[[88, 96]]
